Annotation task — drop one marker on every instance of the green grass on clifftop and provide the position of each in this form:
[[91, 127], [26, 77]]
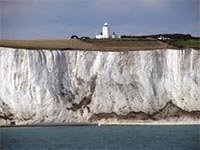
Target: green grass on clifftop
[[192, 43], [96, 45], [101, 45]]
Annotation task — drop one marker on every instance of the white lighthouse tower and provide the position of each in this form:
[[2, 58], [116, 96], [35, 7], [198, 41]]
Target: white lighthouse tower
[[105, 34], [105, 31]]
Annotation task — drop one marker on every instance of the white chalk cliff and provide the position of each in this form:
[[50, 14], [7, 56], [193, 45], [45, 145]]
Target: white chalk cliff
[[72, 85]]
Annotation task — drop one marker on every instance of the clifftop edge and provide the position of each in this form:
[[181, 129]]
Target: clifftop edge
[[88, 45]]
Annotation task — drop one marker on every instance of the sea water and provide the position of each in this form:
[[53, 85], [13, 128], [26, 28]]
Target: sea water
[[182, 137]]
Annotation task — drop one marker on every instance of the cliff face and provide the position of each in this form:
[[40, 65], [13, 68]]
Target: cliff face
[[47, 85]]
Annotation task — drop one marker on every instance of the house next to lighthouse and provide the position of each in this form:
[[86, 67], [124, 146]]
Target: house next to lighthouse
[[106, 33]]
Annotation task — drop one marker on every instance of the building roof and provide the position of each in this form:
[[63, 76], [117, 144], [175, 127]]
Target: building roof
[[105, 24]]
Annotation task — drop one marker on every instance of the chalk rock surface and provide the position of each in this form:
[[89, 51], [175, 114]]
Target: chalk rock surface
[[72, 85]]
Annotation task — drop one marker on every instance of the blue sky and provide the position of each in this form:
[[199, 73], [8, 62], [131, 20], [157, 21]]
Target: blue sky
[[58, 19]]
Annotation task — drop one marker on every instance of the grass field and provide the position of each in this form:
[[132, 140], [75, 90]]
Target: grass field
[[98, 45], [194, 43], [46, 44]]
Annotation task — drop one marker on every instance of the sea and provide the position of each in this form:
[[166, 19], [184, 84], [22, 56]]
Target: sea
[[141, 137]]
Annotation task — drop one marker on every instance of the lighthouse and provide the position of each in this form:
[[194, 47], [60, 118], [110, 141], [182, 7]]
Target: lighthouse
[[105, 31], [105, 34]]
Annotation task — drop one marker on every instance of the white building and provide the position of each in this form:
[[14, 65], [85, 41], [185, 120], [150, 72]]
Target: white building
[[106, 33], [99, 36], [114, 36], [162, 38]]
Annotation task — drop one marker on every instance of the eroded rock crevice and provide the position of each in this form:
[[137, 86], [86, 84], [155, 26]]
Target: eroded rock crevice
[[86, 100], [169, 111], [5, 111]]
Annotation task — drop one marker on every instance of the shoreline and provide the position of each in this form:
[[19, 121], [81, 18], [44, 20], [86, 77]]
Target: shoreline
[[146, 124], [182, 121], [49, 125], [159, 123]]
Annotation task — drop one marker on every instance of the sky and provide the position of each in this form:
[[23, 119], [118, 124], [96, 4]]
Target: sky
[[58, 19]]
